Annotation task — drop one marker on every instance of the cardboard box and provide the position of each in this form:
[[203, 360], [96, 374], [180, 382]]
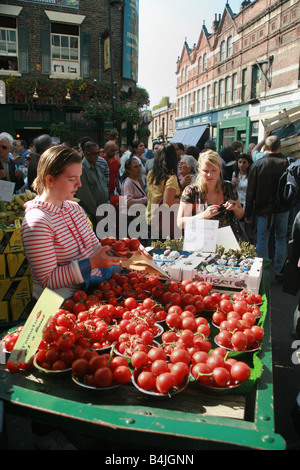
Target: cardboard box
[[4, 312], [20, 308], [10, 240], [190, 269], [14, 288], [17, 265], [3, 272]]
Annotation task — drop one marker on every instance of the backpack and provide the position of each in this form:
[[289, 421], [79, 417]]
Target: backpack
[[288, 191]]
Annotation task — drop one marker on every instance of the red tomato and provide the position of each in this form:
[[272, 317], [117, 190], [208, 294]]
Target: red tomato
[[134, 244], [103, 377], [122, 374], [79, 295], [146, 380], [165, 382], [240, 371], [80, 367]]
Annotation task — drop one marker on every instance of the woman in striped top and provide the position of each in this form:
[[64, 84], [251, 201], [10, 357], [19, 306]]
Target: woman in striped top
[[62, 250]]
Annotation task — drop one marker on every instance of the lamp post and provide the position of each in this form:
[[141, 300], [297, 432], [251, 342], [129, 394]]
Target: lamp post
[[121, 4]]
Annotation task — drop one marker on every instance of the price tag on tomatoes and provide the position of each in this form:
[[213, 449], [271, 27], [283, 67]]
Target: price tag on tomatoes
[[31, 334]]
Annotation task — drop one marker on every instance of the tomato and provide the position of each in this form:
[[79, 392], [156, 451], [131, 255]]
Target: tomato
[[224, 338], [200, 356], [240, 306], [221, 376], [103, 377], [79, 295], [120, 246], [68, 305], [122, 374], [80, 367], [156, 353], [59, 365], [139, 359], [214, 361], [218, 316], [189, 323], [181, 371], [240, 371], [146, 380], [180, 355], [165, 382], [173, 319], [97, 361], [258, 331], [159, 366], [118, 361], [187, 337], [130, 303], [201, 373], [225, 305], [52, 355], [108, 241], [134, 244], [78, 307]]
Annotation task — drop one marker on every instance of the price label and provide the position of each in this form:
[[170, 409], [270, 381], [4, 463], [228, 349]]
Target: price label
[[31, 335]]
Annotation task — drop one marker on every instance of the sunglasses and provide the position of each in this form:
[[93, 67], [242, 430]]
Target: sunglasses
[[4, 147]]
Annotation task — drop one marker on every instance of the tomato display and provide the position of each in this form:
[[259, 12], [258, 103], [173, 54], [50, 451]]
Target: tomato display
[[157, 331]]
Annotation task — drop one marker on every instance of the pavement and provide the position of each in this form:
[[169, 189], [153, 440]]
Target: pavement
[[286, 383]]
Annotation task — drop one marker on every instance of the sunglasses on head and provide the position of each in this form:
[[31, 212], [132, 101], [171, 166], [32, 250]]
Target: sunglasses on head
[[4, 147]]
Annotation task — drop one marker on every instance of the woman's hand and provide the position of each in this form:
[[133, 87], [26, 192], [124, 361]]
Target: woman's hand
[[102, 259], [229, 205], [209, 212]]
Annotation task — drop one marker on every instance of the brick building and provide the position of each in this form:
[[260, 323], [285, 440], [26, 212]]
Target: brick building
[[84, 42], [245, 70], [163, 121]]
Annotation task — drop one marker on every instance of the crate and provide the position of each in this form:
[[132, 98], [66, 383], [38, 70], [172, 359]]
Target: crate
[[16, 288], [17, 264], [10, 240], [189, 269]]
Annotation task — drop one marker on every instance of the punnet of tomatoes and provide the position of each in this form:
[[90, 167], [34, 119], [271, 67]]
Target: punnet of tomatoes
[[123, 246], [100, 370], [155, 374], [218, 370]]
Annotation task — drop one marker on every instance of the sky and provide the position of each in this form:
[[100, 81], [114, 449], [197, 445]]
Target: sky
[[163, 27]]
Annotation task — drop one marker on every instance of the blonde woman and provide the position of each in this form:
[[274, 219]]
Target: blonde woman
[[209, 197]]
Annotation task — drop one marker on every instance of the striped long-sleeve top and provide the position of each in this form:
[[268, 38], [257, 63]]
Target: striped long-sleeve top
[[58, 242]]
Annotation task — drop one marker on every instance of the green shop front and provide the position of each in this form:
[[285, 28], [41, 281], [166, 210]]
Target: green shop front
[[235, 124]]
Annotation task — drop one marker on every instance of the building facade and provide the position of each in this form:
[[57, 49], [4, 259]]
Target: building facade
[[244, 71], [80, 48], [163, 122]]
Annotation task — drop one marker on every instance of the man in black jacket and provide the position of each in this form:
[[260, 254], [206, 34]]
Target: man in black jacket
[[263, 180]]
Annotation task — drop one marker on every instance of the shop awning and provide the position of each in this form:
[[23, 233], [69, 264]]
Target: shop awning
[[190, 136]]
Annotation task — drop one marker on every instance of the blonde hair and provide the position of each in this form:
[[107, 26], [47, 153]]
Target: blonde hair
[[53, 162], [213, 158]]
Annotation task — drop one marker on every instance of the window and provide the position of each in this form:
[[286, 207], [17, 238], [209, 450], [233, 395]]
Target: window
[[234, 87], [65, 49], [244, 84], [227, 90], [204, 62], [208, 97], [229, 46], [8, 43], [200, 65], [203, 99], [215, 94], [222, 50], [256, 82], [221, 92]]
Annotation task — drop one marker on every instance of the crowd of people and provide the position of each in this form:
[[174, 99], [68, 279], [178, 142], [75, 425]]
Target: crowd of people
[[233, 186]]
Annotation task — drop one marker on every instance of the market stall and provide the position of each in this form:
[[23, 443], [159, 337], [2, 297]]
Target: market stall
[[189, 415]]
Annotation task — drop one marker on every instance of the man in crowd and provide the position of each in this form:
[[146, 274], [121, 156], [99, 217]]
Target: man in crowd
[[40, 144], [93, 191], [110, 149], [263, 180], [8, 171], [22, 149]]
